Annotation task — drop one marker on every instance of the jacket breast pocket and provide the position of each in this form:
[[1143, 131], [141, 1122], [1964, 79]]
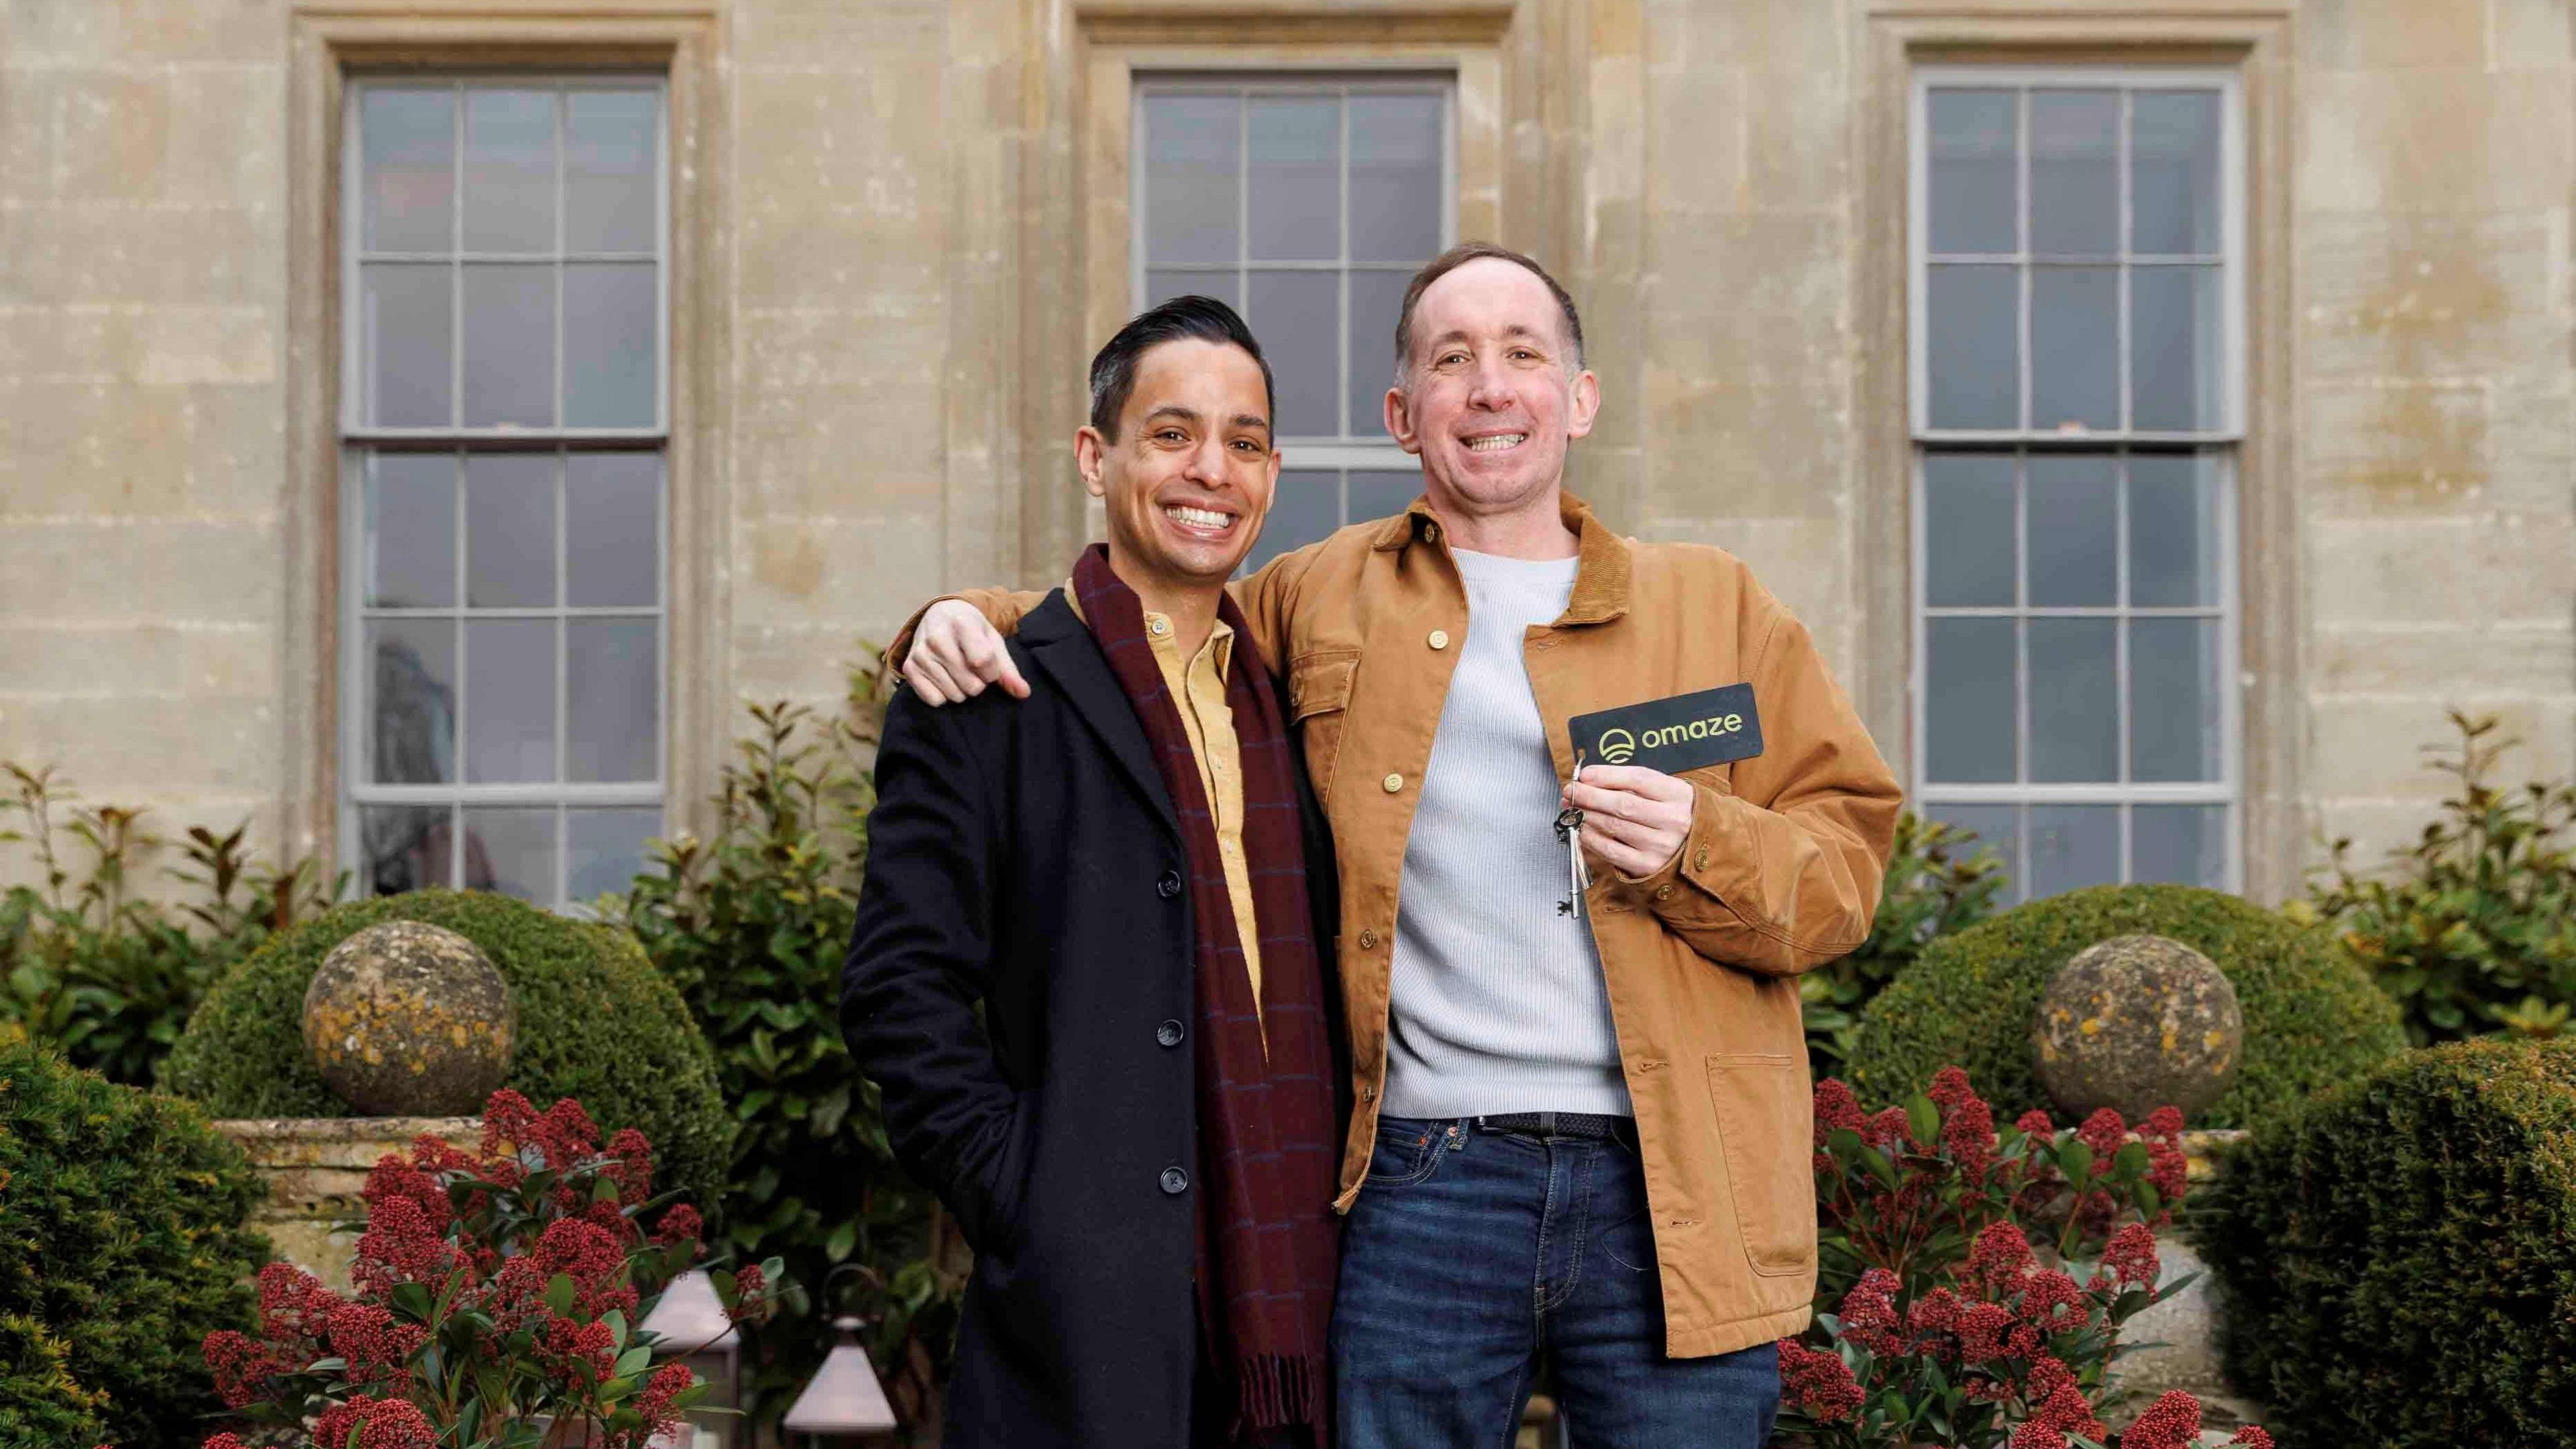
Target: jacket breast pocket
[[1765, 1129], [1319, 701]]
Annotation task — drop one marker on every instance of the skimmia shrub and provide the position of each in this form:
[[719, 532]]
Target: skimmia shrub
[[1938, 1322], [495, 1302]]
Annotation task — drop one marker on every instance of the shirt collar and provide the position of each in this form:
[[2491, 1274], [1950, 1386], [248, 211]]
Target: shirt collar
[[1601, 568]]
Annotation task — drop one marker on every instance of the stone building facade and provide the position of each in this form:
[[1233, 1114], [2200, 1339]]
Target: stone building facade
[[833, 365]]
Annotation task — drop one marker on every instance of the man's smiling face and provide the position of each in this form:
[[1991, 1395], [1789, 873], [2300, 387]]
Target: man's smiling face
[[1492, 394], [1188, 480]]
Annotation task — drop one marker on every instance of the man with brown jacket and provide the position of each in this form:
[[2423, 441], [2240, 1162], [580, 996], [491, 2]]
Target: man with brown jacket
[[1582, 1126]]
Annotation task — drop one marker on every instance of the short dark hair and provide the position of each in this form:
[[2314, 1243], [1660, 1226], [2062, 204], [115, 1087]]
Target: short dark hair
[[1459, 256], [1113, 367]]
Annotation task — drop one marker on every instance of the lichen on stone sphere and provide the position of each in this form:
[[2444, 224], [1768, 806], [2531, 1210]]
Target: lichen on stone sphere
[[2135, 1023], [407, 1019]]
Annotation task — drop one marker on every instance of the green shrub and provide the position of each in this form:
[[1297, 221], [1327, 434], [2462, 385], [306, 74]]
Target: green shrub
[[2473, 928], [109, 978], [2312, 1019], [1933, 887], [596, 1022], [2398, 1260], [752, 927], [40, 1401], [121, 1238]]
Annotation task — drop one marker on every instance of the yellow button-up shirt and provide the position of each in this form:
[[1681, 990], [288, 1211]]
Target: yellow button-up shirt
[[1197, 685]]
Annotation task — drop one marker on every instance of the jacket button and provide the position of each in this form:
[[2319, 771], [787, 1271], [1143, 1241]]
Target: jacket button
[[1175, 1181], [1439, 639], [1393, 783], [1663, 892], [1170, 885], [1699, 858], [1368, 940], [1169, 1033], [1368, 1094]]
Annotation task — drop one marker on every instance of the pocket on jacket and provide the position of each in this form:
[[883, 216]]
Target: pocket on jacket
[[1319, 699], [1765, 1123], [1000, 1225]]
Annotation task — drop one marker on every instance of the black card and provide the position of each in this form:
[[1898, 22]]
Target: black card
[[1681, 733]]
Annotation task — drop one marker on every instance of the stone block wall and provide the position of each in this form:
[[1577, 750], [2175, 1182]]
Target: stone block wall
[[896, 267]]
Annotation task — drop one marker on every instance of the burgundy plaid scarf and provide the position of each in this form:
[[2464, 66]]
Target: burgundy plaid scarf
[[1267, 1148]]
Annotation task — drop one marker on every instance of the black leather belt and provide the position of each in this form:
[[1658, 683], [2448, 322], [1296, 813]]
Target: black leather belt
[[1559, 1124]]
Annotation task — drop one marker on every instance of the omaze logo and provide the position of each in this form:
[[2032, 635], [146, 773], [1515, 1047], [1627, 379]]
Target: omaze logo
[[1699, 729], [1617, 746]]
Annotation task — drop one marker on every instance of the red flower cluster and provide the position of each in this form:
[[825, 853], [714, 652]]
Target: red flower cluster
[[562, 1209], [1819, 1385], [2057, 1409], [2131, 1258]]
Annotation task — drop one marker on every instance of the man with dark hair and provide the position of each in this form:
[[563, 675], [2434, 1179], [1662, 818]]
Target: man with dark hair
[[1582, 1115], [1129, 874]]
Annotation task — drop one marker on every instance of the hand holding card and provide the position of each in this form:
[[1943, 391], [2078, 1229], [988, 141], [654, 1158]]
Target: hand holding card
[[1636, 813], [1634, 819]]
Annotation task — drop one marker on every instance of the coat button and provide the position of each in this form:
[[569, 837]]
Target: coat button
[[1170, 885], [1368, 1094], [1663, 892], [1368, 940], [1699, 858], [1175, 1181], [1439, 639], [1169, 1033], [1393, 783]]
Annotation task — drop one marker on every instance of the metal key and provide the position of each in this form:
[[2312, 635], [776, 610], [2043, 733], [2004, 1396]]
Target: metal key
[[1569, 828]]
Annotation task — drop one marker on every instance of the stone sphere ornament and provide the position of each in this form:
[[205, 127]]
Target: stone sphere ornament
[[406, 1019], [2135, 1023]]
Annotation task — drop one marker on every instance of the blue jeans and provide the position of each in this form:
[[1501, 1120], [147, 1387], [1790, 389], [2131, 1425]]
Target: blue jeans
[[1469, 1251]]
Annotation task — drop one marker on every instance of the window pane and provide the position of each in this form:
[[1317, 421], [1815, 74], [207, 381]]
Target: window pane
[[2173, 168], [510, 700], [1226, 287], [2075, 173], [510, 531], [612, 529], [511, 849], [411, 530], [1382, 492], [2074, 701], [608, 171], [1972, 183], [2174, 343], [509, 346], [405, 848], [2174, 699], [2179, 844], [1972, 346], [2173, 530], [1968, 688], [1293, 187], [509, 171], [2074, 348], [611, 353], [1306, 506], [604, 850], [2073, 846], [2074, 530], [1376, 298], [1997, 828], [406, 336], [613, 683], [1297, 316], [1192, 147], [1968, 530], [410, 147], [411, 715], [1396, 185]]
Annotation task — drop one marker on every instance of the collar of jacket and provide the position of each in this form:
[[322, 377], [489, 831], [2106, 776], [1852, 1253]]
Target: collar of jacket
[[1601, 568]]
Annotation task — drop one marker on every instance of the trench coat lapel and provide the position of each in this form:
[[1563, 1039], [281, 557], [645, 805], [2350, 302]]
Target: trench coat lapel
[[1060, 644]]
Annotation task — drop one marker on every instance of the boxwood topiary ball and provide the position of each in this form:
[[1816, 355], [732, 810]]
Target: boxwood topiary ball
[[596, 1023], [2136, 1023], [407, 1019], [2312, 1018]]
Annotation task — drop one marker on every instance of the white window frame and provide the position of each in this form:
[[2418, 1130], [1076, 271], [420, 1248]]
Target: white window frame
[[1349, 451], [360, 443], [2222, 445]]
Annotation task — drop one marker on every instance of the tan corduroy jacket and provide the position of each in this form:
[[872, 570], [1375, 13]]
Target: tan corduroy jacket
[[1780, 873]]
